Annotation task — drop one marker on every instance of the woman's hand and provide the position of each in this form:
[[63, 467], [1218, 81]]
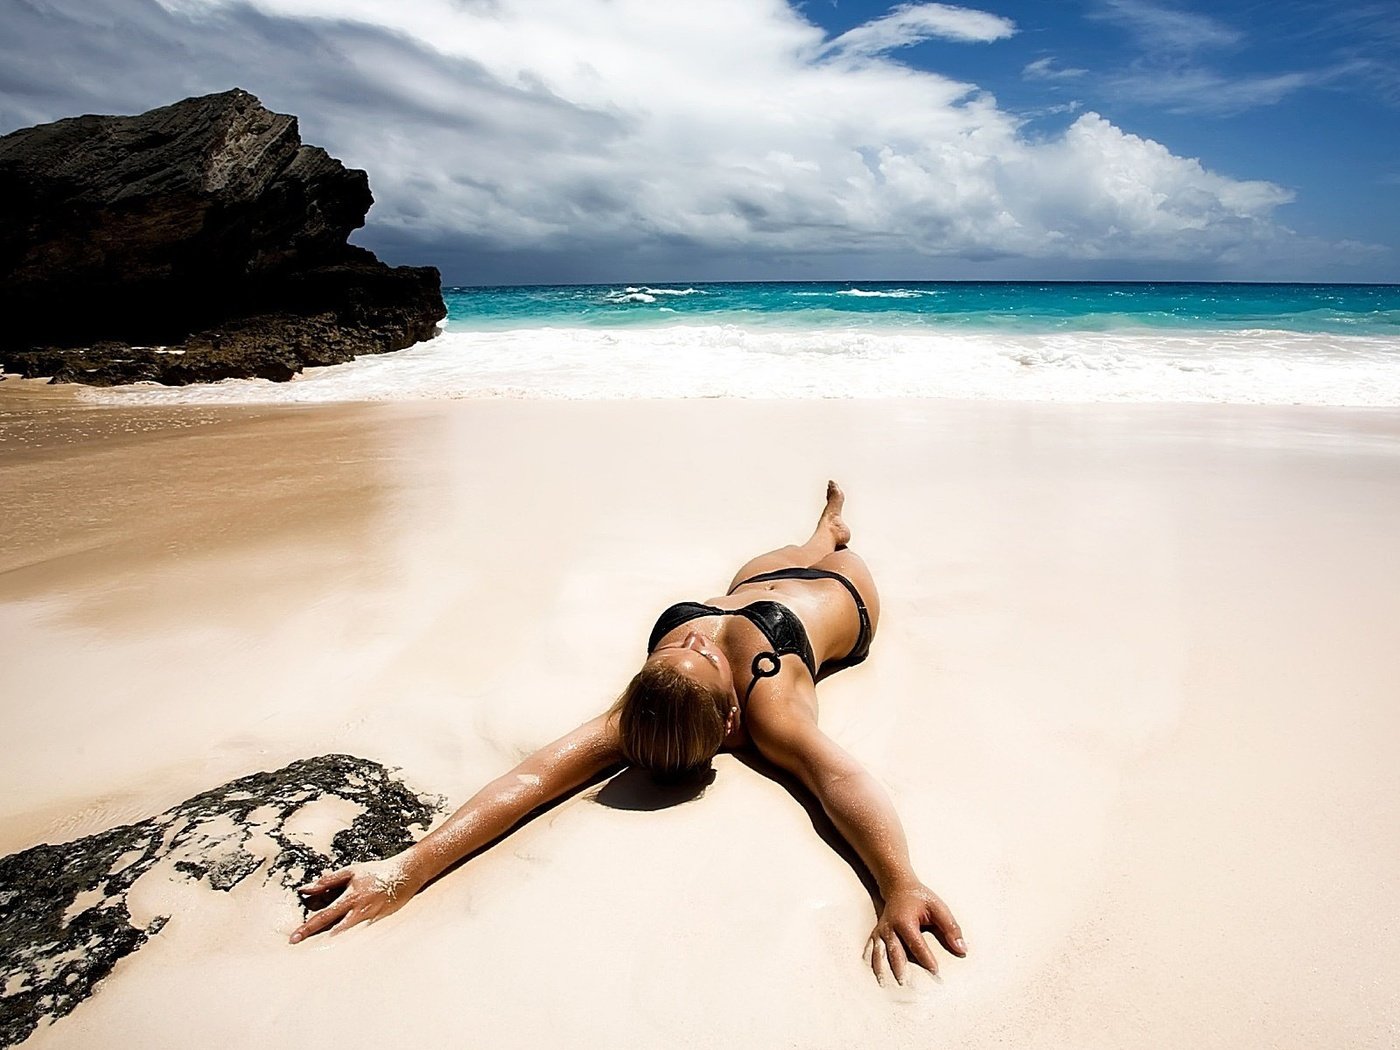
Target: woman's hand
[[368, 891], [899, 933]]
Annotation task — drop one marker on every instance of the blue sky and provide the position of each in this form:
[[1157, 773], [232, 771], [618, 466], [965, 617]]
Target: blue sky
[[567, 140], [1303, 93]]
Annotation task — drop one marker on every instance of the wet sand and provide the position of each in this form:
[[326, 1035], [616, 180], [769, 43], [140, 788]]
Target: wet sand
[[1134, 693]]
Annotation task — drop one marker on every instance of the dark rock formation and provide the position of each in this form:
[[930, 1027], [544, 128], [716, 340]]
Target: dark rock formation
[[195, 242], [54, 949]]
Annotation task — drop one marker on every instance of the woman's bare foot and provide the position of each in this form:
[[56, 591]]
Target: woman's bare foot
[[831, 519]]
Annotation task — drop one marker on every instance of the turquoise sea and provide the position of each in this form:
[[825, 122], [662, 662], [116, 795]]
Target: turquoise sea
[[965, 306], [1279, 344]]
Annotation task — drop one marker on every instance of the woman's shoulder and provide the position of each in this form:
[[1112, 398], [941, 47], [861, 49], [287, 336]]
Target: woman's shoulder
[[780, 722], [789, 695]]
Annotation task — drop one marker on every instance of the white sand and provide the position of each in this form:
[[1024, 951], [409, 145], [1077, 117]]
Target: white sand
[[1135, 695]]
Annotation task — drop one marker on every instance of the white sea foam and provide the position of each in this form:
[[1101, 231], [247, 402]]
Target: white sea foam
[[867, 293], [725, 360], [643, 294], [890, 293]]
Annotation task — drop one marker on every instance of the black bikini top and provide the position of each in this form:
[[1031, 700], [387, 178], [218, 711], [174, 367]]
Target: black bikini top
[[779, 625]]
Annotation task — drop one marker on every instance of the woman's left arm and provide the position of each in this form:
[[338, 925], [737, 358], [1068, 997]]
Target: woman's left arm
[[786, 733]]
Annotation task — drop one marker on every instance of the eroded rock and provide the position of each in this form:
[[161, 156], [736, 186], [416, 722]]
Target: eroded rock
[[64, 915], [194, 242]]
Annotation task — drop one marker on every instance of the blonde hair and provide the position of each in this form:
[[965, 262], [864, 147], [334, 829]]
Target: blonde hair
[[670, 724]]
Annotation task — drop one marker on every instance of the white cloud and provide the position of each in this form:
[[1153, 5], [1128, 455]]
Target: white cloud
[[1170, 73], [1045, 69], [1112, 193], [1191, 89], [1162, 28], [1074, 105], [730, 129], [913, 23]]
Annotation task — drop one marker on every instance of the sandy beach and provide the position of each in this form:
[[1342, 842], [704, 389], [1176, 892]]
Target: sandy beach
[[1134, 695]]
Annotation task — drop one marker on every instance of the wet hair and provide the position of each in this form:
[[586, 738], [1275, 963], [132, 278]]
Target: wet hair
[[670, 724]]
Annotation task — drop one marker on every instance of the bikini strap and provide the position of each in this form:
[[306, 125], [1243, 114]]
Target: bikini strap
[[765, 665]]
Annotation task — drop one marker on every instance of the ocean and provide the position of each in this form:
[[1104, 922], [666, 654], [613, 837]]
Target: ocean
[[1279, 344]]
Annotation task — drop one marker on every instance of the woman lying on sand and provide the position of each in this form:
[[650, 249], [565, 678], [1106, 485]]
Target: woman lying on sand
[[738, 671]]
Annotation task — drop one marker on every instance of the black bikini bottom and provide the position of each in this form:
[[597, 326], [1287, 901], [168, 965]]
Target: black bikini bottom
[[862, 647]]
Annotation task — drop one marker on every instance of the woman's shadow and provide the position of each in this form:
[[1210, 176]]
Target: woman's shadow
[[636, 789]]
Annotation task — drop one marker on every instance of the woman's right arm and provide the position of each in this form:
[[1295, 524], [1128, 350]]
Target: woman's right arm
[[379, 888]]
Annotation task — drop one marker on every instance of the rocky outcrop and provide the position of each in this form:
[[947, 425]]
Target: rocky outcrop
[[64, 915], [195, 242]]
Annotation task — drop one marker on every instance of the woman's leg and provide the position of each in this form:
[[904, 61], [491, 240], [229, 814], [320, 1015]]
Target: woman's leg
[[830, 535]]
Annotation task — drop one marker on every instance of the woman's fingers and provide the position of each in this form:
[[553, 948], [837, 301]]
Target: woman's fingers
[[895, 950], [887, 954], [877, 956], [898, 937], [328, 881], [352, 917], [918, 948], [366, 912], [948, 929], [321, 920], [366, 891]]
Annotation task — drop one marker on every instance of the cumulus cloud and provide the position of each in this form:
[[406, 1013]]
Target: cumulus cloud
[[913, 23], [1125, 189], [591, 133]]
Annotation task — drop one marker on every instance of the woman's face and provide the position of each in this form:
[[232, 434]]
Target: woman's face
[[700, 660]]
